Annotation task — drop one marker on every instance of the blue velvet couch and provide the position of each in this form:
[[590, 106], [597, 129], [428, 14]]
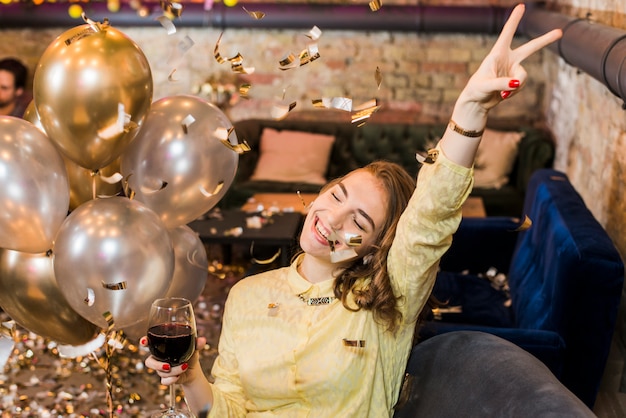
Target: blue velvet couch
[[476, 374], [564, 276]]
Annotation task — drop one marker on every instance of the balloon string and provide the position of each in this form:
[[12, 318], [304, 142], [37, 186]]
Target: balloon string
[[106, 365], [93, 184]]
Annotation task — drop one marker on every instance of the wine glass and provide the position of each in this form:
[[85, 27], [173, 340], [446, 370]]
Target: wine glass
[[172, 339]]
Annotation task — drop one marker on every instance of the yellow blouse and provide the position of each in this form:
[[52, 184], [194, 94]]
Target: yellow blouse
[[280, 357]]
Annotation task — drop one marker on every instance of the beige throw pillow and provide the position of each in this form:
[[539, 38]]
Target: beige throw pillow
[[293, 156], [495, 158]]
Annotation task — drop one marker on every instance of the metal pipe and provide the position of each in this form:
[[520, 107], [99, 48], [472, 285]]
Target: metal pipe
[[426, 19], [596, 49]]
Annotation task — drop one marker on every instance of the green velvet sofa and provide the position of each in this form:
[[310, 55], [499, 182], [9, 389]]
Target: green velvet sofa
[[355, 146]]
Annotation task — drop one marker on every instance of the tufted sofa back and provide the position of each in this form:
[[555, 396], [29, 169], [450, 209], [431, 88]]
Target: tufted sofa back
[[356, 146]]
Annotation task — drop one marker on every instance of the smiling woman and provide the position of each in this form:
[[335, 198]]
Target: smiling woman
[[330, 335]]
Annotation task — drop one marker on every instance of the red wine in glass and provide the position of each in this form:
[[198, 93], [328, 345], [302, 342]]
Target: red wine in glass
[[172, 340], [172, 343]]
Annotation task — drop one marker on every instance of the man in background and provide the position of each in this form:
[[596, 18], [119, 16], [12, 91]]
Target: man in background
[[13, 96]]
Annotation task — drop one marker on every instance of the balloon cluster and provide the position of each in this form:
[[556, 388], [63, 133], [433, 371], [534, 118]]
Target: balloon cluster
[[98, 184]]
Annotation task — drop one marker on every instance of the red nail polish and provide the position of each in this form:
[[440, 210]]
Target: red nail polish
[[143, 341], [514, 84], [505, 94], [166, 367], [185, 366]]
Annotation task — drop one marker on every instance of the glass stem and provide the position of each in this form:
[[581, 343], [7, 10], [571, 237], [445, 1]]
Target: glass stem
[[172, 397]]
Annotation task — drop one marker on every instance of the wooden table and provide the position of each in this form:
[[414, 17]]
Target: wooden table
[[279, 202], [281, 231]]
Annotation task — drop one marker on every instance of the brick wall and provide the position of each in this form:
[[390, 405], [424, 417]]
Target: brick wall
[[421, 74]]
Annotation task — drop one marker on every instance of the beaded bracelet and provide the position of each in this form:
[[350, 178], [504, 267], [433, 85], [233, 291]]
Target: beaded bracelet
[[471, 134]]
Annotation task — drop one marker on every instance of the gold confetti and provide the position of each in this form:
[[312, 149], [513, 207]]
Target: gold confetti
[[171, 7], [314, 33], [354, 240], [255, 15], [187, 122], [108, 317], [363, 112], [353, 343], [244, 90], [170, 77], [280, 111], [430, 158], [122, 124], [378, 77], [167, 23], [288, 62], [216, 50], [236, 62], [223, 135], [341, 103], [215, 191], [309, 54], [7, 329], [114, 286], [375, 5], [524, 225], [95, 26]]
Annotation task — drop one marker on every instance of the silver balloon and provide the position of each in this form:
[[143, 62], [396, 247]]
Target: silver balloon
[[182, 161], [190, 273], [113, 255], [30, 295], [92, 89], [34, 188], [191, 265]]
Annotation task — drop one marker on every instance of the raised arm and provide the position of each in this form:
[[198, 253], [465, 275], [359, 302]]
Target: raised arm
[[499, 77]]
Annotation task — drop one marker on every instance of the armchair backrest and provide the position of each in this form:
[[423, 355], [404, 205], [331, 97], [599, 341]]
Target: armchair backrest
[[566, 276]]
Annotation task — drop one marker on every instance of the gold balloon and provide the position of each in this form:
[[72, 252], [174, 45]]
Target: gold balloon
[[86, 184], [30, 295], [92, 89]]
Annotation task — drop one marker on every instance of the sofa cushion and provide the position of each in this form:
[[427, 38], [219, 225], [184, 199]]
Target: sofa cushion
[[495, 158], [479, 301], [293, 156]]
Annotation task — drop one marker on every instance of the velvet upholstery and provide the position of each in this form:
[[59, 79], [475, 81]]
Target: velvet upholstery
[[565, 278], [398, 142], [476, 374]]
